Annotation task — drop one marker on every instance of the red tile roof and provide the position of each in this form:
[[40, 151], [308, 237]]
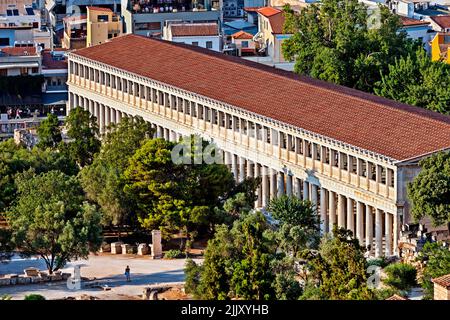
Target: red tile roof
[[277, 23], [99, 9], [19, 51], [48, 62], [194, 29], [242, 35], [373, 123], [442, 21], [269, 11], [408, 22], [275, 17], [251, 9], [443, 281]]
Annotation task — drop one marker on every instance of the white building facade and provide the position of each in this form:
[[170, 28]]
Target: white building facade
[[357, 189]]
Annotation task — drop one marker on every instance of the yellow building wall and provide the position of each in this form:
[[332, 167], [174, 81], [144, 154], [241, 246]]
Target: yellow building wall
[[436, 54], [97, 32]]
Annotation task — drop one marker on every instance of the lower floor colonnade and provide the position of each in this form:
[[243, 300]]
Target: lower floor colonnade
[[375, 228]]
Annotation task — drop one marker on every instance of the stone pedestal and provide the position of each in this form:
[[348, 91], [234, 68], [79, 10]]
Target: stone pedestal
[[116, 247], [105, 247], [156, 245], [142, 249], [125, 248]]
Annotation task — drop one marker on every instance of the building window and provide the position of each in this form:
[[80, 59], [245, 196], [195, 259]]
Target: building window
[[103, 18], [4, 42], [195, 43], [244, 44], [209, 44]]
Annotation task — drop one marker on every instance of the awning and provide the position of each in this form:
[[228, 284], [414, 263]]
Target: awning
[[51, 99], [19, 65]]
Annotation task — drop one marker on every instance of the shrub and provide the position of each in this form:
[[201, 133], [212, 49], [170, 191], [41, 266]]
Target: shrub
[[173, 254], [401, 276], [34, 297], [380, 262]]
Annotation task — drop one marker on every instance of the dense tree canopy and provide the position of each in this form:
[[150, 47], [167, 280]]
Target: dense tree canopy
[[298, 223], [242, 263], [337, 41], [338, 270], [49, 132], [103, 180], [436, 258], [430, 190], [83, 132], [15, 159], [415, 79], [51, 219], [175, 196]]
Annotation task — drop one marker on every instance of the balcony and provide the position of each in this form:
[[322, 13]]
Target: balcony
[[171, 6]]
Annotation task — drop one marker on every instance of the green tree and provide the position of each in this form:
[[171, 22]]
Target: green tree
[[50, 219], [337, 41], [34, 296], [6, 245], [429, 192], [175, 196], [415, 79], [338, 270], [252, 277], [49, 132], [298, 223], [401, 276], [242, 263], [15, 159], [83, 132], [436, 258], [103, 180]]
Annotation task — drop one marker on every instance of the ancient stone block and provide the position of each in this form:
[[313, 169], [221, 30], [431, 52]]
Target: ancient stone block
[[142, 249], [116, 247]]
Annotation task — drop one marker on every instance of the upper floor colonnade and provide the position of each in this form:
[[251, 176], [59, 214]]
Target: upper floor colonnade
[[350, 187]]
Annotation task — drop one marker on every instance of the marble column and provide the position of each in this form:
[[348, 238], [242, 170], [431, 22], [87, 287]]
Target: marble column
[[378, 233], [107, 116], [350, 216], [369, 227], [331, 210], [395, 233], [265, 185], [341, 211], [314, 191], [273, 184], [256, 174], [289, 185], [234, 168], [323, 210], [227, 159], [91, 107], [360, 222], [102, 118], [250, 170], [113, 116], [305, 190], [241, 169], [280, 184], [388, 233], [298, 188]]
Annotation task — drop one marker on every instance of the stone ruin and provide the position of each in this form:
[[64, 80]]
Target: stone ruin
[[32, 275], [154, 248], [412, 239]]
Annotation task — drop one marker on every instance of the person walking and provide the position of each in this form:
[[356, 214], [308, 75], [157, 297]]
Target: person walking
[[127, 273]]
